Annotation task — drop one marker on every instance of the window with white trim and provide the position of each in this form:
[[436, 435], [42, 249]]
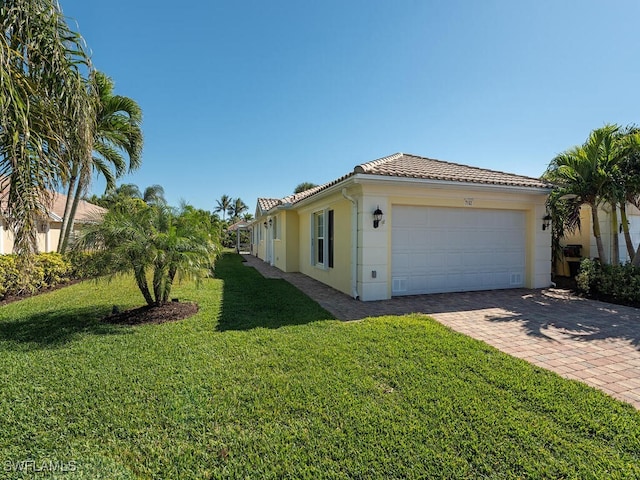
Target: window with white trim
[[322, 238]]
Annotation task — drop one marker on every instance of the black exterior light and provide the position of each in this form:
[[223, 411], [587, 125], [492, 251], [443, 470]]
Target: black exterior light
[[265, 224], [546, 221], [377, 216], [270, 221]]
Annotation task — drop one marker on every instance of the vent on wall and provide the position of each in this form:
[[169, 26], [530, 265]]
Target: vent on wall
[[516, 279], [399, 284]]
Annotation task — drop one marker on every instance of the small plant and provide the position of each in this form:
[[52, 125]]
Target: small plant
[[587, 275]]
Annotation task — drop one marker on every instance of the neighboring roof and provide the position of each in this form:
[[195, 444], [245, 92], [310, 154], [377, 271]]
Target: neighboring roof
[[237, 226], [86, 212], [404, 165]]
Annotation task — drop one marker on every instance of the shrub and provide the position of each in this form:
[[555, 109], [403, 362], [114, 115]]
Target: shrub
[[55, 268], [616, 282], [587, 275], [84, 265], [9, 275], [47, 270]]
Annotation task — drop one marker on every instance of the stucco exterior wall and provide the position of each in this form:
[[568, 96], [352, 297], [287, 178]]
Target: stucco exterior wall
[[339, 276], [286, 245], [374, 254]]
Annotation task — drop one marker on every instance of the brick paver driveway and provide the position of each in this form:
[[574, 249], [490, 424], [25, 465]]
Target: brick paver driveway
[[586, 340]]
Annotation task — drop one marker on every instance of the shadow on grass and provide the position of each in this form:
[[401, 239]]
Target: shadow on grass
[[537, 311], [55, 328], [250, 301]]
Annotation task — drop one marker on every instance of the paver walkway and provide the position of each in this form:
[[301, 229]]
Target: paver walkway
[[594, 342]]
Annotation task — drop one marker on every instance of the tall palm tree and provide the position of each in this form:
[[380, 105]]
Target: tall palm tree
[[117, 133], [154, 195], [223, 206], [237, 208], [585, 172], [629, 169], [46, 109]]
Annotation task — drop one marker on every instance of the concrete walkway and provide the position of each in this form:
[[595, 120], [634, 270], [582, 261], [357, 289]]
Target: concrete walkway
[[594, 342]]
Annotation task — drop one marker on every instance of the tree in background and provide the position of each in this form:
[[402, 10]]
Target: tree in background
[[236, 209], [155, 243], [304, 186], [152, 195], [117, 133], [46, 110], [604, 170], [223, 205]]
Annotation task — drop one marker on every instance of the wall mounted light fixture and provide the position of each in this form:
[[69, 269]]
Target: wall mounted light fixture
[[377, 217], [265, 224], [546, 221], [270, 221]]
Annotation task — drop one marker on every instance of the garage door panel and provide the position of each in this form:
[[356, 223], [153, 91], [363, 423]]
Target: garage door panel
[[454, 249]]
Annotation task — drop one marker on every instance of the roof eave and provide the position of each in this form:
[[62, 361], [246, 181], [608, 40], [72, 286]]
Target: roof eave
[[367, 177]]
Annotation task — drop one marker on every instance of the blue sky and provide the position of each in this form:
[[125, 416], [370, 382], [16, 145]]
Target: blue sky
[[252, 98]]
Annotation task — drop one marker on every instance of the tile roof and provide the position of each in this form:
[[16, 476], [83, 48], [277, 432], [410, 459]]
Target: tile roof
[[267, 204], [404, 165], [86, 212], [413, 166]]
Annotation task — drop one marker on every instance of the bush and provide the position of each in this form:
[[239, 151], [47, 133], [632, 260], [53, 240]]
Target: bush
[[84, 265], [620, 283], [47, 270], [55, 268], [9, 275]]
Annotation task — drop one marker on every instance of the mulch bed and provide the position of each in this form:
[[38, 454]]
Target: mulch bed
[[168, 312], [22, 296]]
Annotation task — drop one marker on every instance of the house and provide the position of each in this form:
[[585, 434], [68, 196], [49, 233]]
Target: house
[[405, 224], [49, 228], [582, 243]]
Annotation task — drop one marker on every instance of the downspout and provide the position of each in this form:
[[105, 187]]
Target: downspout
[[354, 244]]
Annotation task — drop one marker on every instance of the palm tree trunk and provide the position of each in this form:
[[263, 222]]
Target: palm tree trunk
[[72, 215], [141, 280], [67, 210], [168, 283], [615, 248], [158, 274], [625, 229], [596, 232]]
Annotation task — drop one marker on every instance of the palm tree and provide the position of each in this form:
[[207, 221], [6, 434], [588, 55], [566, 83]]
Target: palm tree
[[585, 173], [117, 132], [46, 109], [154, 195], [153, 242], [237, 208], [223, 206], [629, 169]]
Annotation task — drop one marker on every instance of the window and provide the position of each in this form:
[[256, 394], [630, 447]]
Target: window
[[322, 238], [318, 227]]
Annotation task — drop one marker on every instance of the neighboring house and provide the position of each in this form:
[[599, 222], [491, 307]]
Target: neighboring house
[[240, 228], [443, 227], [49, 228], [584, 239]]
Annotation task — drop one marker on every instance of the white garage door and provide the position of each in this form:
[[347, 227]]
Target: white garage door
[[455, 250]]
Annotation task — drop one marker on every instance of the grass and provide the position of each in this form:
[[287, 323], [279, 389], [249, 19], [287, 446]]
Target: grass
[[262, 383]]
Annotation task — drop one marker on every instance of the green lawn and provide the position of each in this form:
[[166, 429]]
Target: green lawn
[[262, 383]]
